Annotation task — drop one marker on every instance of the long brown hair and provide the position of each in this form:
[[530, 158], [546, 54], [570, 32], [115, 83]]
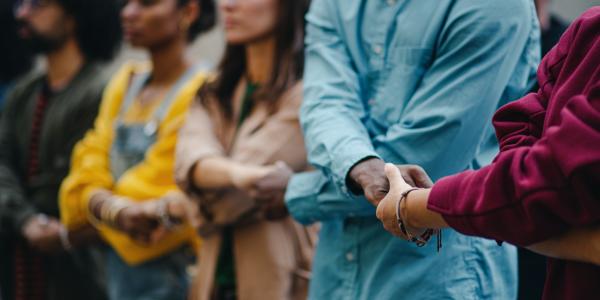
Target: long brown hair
[[288, 61]]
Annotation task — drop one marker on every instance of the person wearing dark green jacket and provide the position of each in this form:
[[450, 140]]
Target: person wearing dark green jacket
[[45, 114]]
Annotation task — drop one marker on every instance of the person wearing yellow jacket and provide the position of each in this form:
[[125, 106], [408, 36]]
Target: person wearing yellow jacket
[[121, 178]]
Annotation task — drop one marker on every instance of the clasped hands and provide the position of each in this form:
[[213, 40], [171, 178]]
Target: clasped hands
[[266, 185], [47, 235], [146, 222], [383, 186]]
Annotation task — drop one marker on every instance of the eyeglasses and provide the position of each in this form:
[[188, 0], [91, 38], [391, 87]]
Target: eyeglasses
[[29, 4]]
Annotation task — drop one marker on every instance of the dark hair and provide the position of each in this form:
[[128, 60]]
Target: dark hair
[[206, 20], [15, 57], [288, 61], [98, 27]]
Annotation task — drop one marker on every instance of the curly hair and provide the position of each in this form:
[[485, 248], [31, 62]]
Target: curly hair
[[206, 20], [98, 27]]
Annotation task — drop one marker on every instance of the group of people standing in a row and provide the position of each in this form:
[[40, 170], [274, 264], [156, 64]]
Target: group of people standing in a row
[[116, 188]]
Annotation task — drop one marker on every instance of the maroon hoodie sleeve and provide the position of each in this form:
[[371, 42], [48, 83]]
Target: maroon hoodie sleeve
[[521, 123], [545, 180]]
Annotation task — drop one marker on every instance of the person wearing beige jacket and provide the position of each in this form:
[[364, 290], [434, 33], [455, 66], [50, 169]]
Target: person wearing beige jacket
[[241, 143]]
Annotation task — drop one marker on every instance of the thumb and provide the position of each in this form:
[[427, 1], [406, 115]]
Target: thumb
[[397, 183], [379, 211]]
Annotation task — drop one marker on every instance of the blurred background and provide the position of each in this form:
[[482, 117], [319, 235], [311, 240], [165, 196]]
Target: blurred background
[[208, 47], [570, 9]]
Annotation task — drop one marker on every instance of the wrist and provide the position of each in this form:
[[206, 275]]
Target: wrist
[[403, 215], [108, 211], [419, 216], [235, 174]]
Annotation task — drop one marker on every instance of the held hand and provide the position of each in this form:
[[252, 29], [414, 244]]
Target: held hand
[[150, 221], [387, 208], [274, 181], [85, 235], [415, 176], [181, 209], [139, 220], [270, 191], [42, 233], [369, 176], [244, 177]]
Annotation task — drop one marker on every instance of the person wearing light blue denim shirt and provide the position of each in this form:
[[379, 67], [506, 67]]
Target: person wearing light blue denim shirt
[[410, 82]]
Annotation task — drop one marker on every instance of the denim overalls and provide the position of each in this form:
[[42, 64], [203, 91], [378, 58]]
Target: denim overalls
[[163, 278]]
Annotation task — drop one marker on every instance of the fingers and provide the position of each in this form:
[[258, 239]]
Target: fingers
[[386, 213], [408, 177], [421, 178], [379, 213], [397, 183]]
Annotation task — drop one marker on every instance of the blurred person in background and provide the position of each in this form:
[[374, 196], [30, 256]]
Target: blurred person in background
[[45, 114], [15, 57], [121, 179], [551, 26], [239, 146]]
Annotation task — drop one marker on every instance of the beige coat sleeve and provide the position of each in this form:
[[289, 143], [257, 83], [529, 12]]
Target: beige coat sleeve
[[197, 140]]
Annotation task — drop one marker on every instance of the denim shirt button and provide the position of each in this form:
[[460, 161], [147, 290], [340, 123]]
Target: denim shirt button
[[349, 256], [378, 49]]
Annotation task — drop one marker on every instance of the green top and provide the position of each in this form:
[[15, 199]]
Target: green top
[[225, 275]]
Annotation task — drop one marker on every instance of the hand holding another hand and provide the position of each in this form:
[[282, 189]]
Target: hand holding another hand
[[244, 177], [417, 224], [269, 191], [370, 176], [389, 209], [43, 233]]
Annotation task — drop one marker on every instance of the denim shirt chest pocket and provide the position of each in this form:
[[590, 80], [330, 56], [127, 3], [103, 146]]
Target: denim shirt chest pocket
[[402, 75]]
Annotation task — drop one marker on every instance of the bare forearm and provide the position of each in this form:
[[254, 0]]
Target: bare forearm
[[418, 215], [214, 173], [581, 245], [221, 172]]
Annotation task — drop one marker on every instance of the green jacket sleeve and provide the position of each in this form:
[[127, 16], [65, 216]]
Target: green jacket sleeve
[[14, 208]]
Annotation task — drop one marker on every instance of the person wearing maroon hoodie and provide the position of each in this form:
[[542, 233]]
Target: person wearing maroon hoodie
[[543, 189]]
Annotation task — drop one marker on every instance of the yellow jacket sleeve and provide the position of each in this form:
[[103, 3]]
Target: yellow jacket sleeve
[[150, 179]]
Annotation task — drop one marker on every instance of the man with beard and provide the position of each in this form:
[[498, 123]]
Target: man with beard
[[44, 116]]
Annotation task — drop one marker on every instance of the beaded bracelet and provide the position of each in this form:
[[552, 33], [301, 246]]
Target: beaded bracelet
[[163, 214], [111, 213], [421, 240], [92, 217]]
